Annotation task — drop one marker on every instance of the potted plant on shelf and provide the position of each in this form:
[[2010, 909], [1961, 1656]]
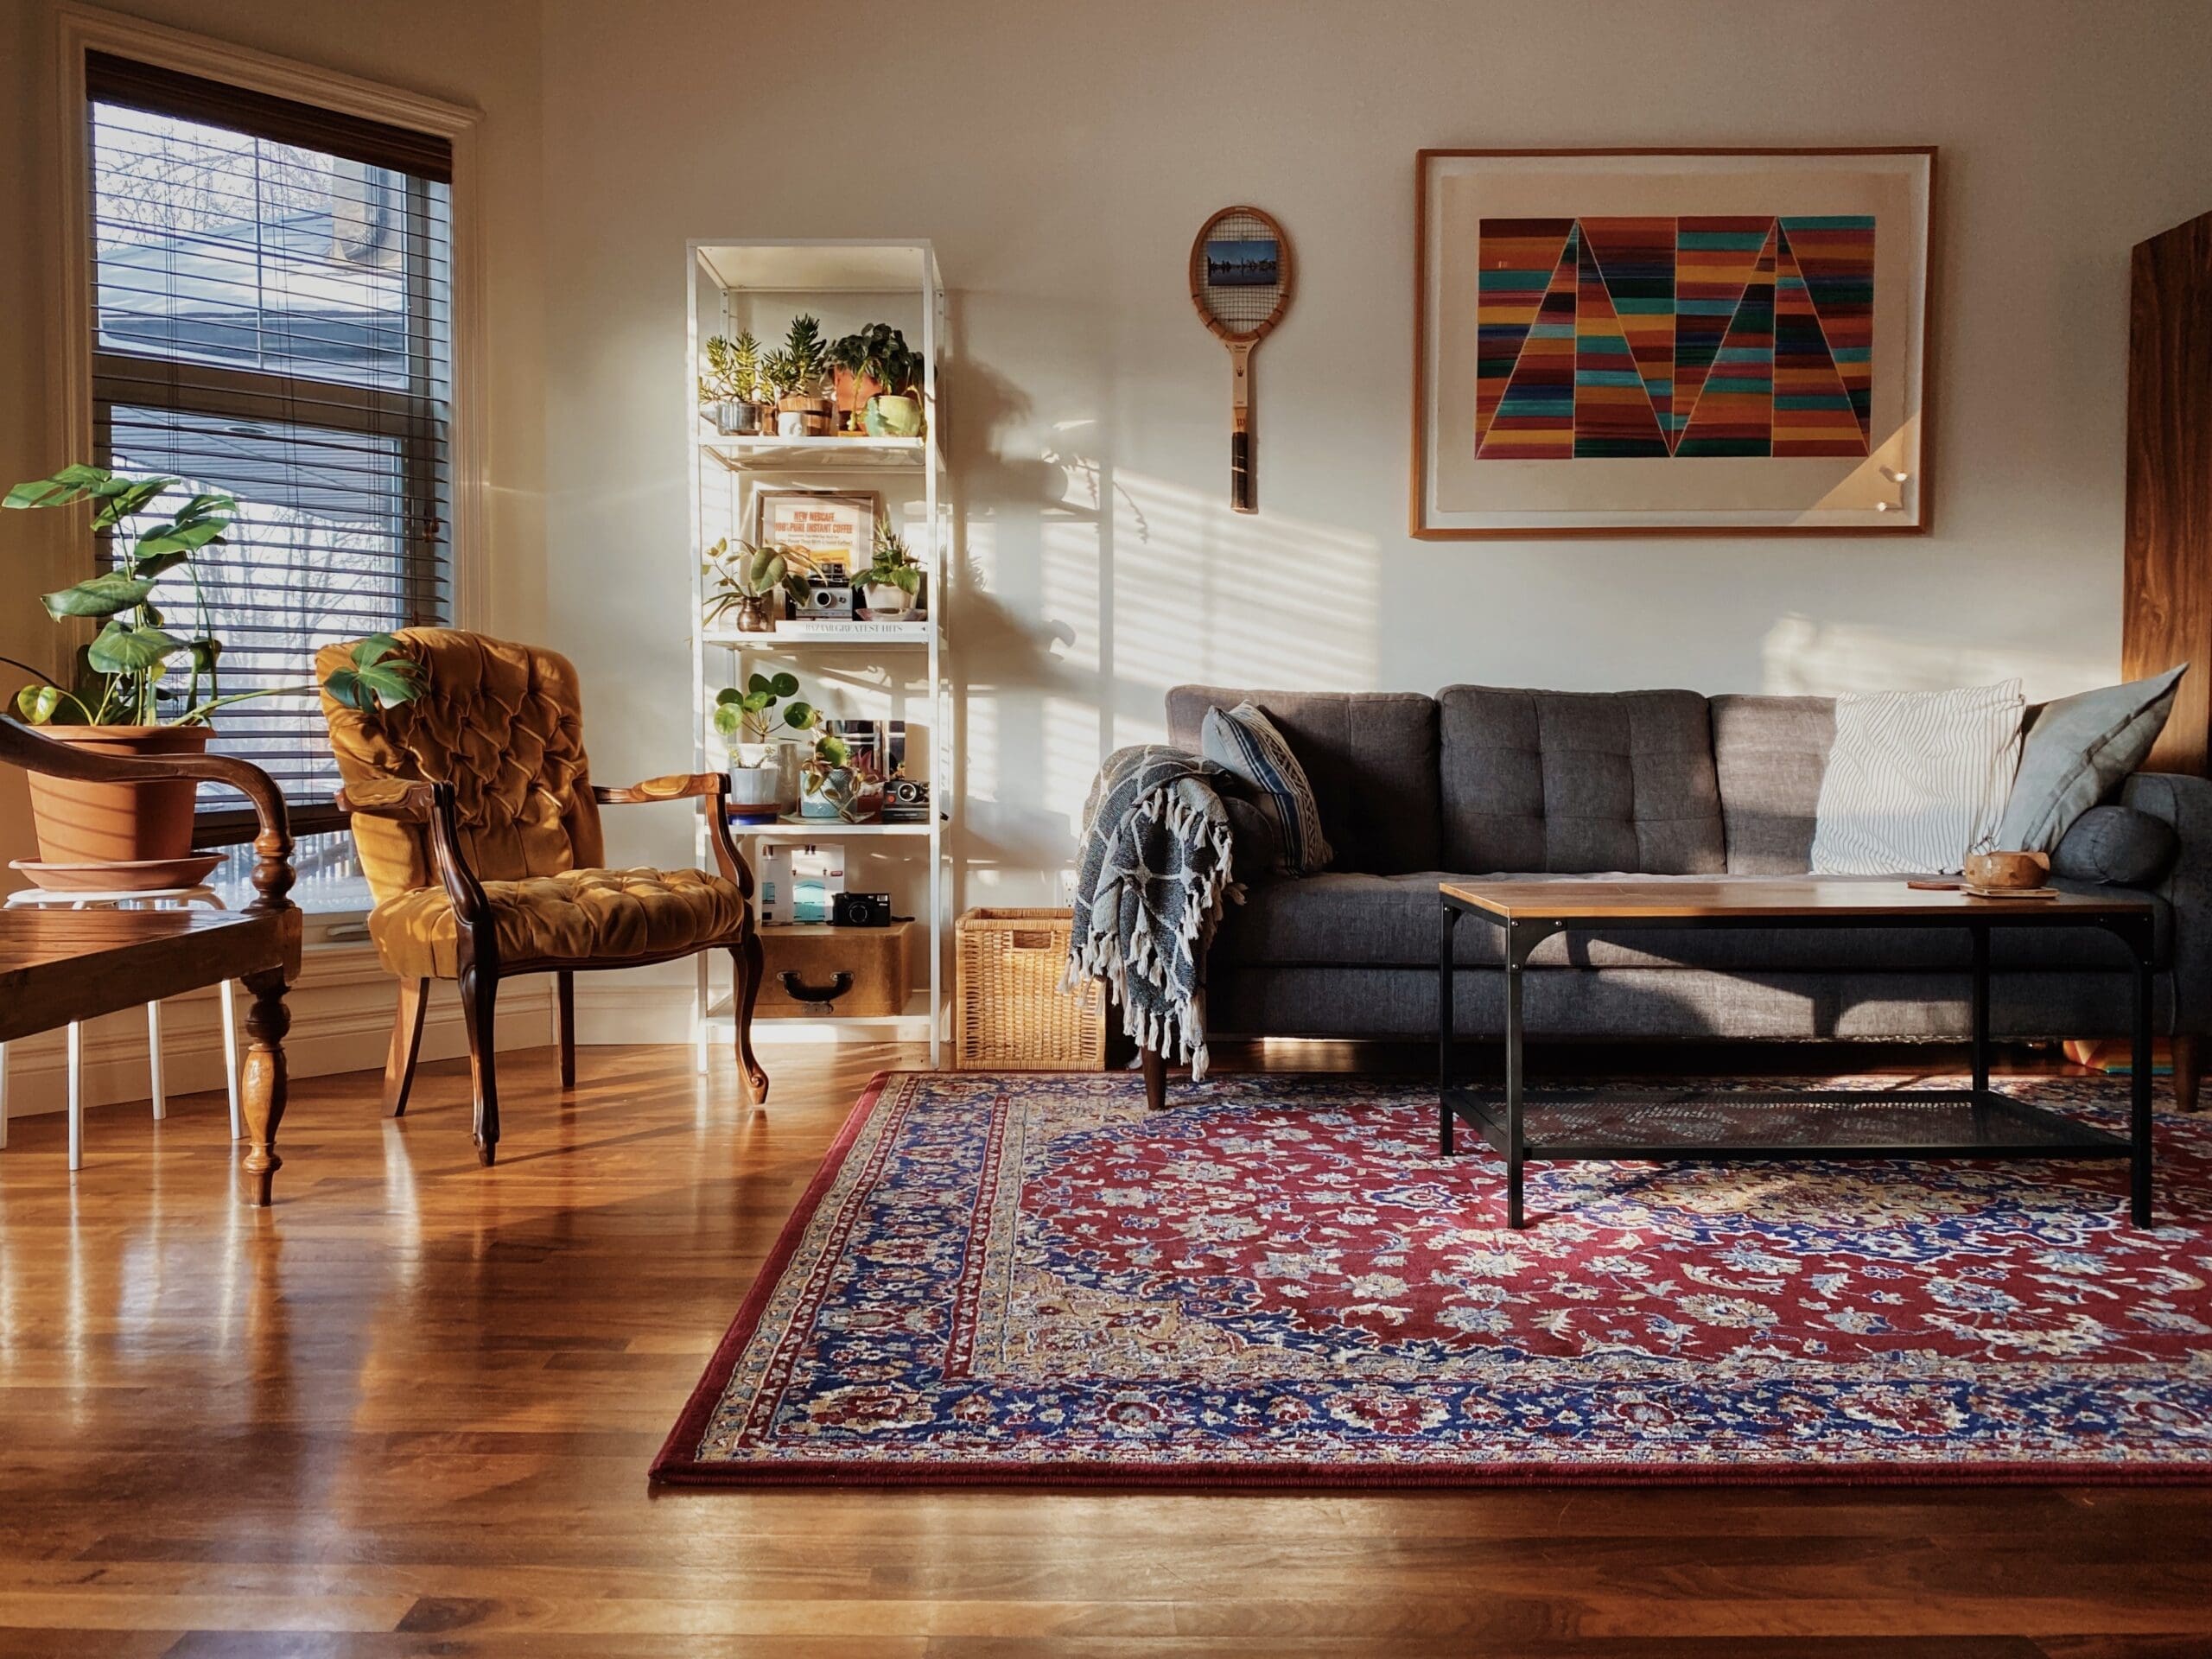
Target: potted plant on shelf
[[753, 582], [798, 369], [835, 783], [890, 584], [732, 388], [123, 698], [764, 766], [885, 376]]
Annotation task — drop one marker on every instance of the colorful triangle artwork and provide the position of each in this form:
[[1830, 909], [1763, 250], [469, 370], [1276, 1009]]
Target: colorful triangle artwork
[[1813, 414], [1535, 412], [1699, 336], [1613, 416], [1734, 413], [1518, 259], [1635, 258]]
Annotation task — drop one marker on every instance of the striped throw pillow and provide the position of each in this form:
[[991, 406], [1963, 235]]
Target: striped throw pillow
[[1916, 780], [1246, 741]]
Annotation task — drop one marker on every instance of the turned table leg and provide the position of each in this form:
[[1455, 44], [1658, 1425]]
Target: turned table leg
[[266, 1023]]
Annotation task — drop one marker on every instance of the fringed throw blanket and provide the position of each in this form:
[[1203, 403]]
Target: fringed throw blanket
[[1154, 879]]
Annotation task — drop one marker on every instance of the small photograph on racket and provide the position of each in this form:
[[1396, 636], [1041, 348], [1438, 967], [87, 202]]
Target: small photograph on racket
[[1253, 262]]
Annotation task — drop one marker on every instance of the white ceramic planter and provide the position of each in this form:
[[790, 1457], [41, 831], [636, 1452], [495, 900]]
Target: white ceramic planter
[[765, 774], [887, 600]]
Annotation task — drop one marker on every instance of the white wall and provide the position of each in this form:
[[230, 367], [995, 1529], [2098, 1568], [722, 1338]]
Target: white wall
[[1063, 156]]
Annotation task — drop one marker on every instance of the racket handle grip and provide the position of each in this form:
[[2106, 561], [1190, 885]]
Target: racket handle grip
[[1241, 494]]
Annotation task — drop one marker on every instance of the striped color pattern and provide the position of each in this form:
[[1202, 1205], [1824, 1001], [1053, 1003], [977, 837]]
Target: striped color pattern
[[1712, 335], [1916, 780], [1245, 740]]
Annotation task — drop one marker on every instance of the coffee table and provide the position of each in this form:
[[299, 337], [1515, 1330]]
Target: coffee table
[[1525, 1126]]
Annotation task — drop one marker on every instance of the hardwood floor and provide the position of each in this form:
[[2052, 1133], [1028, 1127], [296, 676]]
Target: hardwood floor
[[409, 1411]]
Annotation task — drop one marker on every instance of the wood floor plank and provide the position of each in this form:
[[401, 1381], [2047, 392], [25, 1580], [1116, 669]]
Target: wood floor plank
[[408, 1412]]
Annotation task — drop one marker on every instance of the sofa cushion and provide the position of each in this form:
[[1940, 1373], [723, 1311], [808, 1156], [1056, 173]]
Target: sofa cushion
[[2077, 750], [2116, 845], [1374, 921], [1245, 742], [1370, 757], [1769, 754], [1571, 782]]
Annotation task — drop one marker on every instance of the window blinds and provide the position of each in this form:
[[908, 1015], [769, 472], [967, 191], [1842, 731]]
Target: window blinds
[[273, 318]]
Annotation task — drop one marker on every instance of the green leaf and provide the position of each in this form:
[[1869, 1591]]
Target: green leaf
[[729, 719], [205, 653], [761, 683], [374, 648], [179, 537], [730, 694], [157, 564], [785, 685], [36, 704], [121, 649], [799, 715], [344, 686], [131, 499], [388, 685], [101, 596], [70, 483]]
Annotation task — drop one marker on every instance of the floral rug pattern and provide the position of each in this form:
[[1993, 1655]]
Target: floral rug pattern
[[1278, 1282]]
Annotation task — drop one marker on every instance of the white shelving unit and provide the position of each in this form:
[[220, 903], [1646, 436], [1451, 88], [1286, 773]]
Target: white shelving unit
[[875, 670]]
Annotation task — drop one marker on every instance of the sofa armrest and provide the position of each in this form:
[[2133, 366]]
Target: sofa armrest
[[2185, 803]]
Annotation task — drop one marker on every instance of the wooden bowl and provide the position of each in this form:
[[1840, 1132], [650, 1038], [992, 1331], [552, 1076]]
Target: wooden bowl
[[2007, 872]]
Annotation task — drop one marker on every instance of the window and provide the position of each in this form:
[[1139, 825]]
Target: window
[[272, 288]]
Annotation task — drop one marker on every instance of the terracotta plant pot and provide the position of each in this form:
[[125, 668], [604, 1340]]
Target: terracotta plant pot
[[116, 823]]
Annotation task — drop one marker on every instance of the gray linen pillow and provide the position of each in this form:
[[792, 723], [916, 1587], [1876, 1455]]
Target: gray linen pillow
[[2117, 845], [2078, 751]]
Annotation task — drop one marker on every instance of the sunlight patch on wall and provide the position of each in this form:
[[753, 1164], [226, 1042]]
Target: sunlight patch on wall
[[1801, 657]]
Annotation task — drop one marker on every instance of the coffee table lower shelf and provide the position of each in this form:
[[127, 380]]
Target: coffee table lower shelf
[[1688, 1127]]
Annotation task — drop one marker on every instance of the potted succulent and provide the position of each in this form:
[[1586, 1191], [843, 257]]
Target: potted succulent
[[885, 376], [753, 582], [126, 697], [764, 766], [732, 388], [890, 584], [835, 783], [798, 370]]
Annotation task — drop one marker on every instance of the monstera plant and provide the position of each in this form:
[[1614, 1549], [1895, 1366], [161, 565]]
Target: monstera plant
[[149, 681]]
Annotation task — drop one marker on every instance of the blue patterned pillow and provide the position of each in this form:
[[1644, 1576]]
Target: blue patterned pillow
[[1246, 741]]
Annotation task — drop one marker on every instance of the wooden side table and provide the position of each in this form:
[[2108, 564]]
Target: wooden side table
[[60, 967]]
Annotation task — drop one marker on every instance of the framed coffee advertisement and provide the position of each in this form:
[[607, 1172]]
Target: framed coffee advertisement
[[1643, 341], [830, 527]]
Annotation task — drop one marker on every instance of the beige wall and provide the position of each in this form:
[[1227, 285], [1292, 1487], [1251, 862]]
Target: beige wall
[[483, 54], [1062, 157]]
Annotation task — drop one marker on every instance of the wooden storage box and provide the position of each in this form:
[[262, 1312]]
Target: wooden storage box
[[1010, 1013], [880, 961]]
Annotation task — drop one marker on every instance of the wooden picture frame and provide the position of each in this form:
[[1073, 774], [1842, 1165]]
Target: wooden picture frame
[[1638, 273], [839, 525]]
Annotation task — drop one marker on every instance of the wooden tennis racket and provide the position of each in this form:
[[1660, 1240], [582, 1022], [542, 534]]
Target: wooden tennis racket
[[1240, 281]]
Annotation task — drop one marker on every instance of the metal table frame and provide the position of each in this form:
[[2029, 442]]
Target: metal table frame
[[2000, 1127]]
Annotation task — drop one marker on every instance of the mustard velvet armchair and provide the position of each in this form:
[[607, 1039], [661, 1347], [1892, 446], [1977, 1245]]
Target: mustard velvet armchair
[[478, 826]]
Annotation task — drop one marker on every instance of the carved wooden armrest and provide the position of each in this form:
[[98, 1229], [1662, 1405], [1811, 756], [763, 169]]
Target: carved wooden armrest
[[674, 786], [413, 801], [272, 846]]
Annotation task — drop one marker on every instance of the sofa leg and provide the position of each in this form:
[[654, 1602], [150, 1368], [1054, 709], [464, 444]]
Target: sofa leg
[[1155, 1081], [2185, 1073]]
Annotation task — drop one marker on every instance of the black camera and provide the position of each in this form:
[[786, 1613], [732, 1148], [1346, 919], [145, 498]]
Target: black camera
[[860, 909], [907, 800]]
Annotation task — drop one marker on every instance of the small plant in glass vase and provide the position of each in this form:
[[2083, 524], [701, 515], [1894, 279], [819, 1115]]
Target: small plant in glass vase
[[798, 371], [890, 584], [733, 388], [751, 582], [764, 761], [836, 784], [149, 684]]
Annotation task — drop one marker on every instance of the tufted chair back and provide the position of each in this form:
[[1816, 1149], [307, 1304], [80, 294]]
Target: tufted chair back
[[503, 723]]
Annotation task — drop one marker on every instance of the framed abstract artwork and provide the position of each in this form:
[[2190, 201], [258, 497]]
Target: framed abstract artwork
[[1700, 341]]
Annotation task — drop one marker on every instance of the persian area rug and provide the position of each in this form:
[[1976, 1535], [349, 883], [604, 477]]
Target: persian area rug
[[1029, 1281]]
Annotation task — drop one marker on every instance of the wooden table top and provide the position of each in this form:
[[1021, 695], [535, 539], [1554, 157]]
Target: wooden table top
[[60, 965], [1780, 898]]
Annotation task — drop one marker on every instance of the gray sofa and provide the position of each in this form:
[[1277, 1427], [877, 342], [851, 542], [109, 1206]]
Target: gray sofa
[[1501, 783]]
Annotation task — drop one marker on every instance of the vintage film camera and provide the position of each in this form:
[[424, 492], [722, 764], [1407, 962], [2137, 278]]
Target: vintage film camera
[[860, 909], [828, 594], [907, 800]]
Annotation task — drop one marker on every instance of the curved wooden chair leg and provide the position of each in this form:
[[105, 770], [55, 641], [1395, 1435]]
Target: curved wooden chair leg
[[406, 1043], [564, 1024], [477, 993], [750, 962]]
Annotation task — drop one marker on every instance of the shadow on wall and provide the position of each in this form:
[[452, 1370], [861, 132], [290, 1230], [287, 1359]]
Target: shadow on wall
[[1083, 592], [1800, 657]]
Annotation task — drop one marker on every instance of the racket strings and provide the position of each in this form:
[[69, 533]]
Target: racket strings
[[1241, 307]]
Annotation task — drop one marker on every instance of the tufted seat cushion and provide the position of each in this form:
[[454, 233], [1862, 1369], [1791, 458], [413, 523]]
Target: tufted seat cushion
[[574, 916]]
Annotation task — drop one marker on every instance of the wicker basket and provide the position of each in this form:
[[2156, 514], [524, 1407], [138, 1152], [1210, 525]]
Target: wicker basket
[[1012, 1015]]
